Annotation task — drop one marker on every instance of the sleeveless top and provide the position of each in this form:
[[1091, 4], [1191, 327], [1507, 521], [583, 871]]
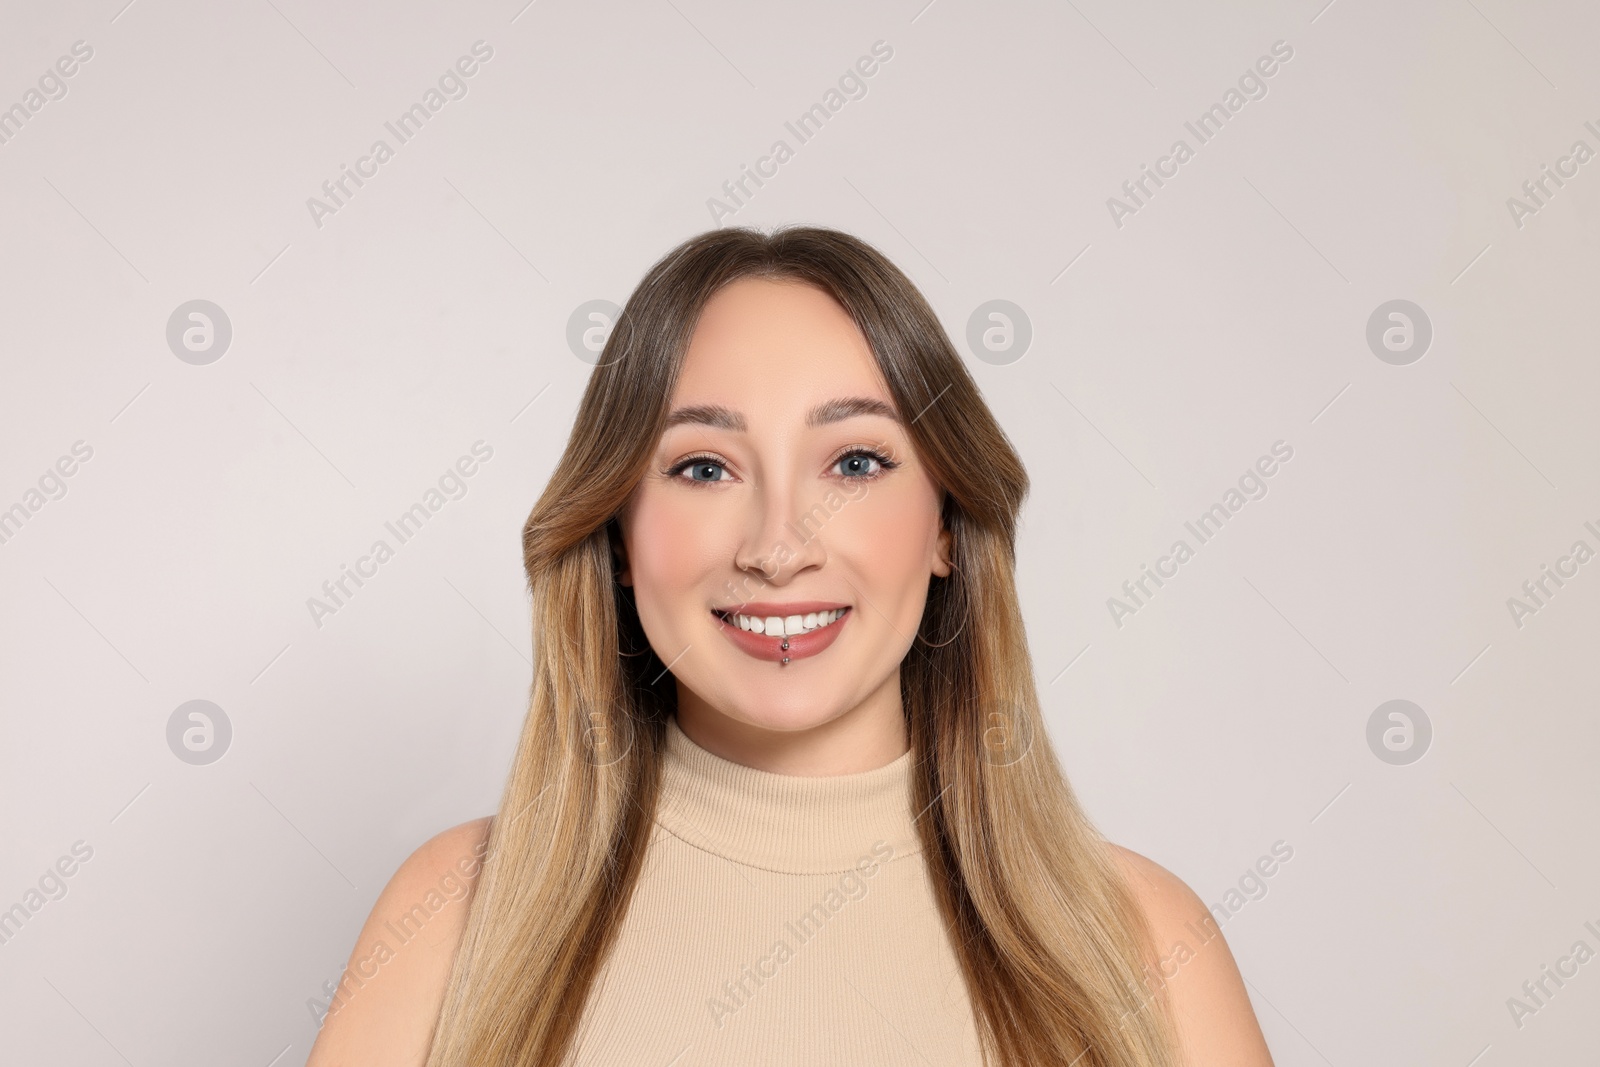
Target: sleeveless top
[[780, 920]]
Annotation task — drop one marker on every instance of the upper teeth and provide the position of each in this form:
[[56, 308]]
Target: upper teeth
[[787, 626]]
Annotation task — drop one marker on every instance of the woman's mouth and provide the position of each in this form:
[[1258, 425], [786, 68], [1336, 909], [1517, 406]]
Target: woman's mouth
[[764, 636], [782, 625]]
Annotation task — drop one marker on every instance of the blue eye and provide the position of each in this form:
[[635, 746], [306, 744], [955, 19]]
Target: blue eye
[[855, 461], [860, 464], [698, 466]]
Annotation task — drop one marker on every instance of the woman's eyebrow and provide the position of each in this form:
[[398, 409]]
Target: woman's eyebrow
[[836, 410]]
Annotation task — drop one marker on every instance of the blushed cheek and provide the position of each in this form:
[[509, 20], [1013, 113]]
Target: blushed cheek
[[889, 540], [674, 556]]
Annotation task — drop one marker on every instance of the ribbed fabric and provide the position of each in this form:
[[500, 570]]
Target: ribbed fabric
[[780, 921]]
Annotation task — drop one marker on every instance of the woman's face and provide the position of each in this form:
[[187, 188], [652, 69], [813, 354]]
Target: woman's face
[[784, 486]]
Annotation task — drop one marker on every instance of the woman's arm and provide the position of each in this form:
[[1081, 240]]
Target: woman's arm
[[389, 997], [1217, 1027]]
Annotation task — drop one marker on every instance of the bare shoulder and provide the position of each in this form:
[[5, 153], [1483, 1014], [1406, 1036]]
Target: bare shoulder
[[386, 1002], [1195, 969]]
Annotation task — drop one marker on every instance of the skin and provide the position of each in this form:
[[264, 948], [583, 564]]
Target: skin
[[715, 534], [772, 352]]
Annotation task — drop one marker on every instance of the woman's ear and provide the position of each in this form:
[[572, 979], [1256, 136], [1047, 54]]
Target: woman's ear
[[941, 563], [619, 554]]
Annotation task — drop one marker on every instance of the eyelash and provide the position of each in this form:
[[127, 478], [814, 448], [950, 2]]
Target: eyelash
[[885, 465]]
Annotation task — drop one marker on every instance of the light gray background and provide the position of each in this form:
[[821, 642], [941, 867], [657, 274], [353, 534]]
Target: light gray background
[[1168, 353]]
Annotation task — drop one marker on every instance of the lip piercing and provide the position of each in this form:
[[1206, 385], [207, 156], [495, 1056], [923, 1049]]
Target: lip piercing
[[785, 647]]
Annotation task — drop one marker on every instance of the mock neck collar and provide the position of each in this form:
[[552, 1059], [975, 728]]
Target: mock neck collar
[[792, 824]]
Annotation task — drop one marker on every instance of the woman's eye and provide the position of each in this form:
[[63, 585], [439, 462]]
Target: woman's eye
[[863, 464], [700, 470], [857, 464]]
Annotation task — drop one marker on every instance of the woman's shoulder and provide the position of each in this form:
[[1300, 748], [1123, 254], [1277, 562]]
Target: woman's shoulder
[[1194, 968], [1154, 885], [384, 1007]]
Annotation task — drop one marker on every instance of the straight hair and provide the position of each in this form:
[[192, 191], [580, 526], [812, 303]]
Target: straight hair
[[1053, 947]]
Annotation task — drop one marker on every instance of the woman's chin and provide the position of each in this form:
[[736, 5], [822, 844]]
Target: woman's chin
[[779, 718]]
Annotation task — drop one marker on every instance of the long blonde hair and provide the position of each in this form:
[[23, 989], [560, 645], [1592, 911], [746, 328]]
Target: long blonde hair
[[1051, 942]]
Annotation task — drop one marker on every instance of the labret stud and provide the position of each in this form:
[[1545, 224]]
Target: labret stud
[[785, 647]]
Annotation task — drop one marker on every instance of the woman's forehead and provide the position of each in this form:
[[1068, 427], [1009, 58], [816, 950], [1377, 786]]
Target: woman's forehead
[[752, 317], [763, 344]]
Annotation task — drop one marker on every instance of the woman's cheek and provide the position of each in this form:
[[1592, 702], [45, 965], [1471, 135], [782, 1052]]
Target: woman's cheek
[[894, 521], [668, 556]]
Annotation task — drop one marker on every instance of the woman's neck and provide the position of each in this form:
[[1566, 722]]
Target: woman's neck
[[867, 737]]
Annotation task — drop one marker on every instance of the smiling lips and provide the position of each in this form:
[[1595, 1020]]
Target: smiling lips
[[759, 628]]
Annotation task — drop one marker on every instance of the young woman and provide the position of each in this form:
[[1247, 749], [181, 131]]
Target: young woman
[[783, 793]]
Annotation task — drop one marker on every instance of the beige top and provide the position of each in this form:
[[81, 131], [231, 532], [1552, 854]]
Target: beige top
[[780, 920]]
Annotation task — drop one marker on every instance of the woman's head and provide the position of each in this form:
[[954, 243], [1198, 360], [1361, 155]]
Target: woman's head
[[727, 450], [779, 425], [785, 487]]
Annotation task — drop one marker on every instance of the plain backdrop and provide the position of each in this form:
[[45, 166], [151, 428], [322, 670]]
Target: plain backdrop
[[1440, 860]]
